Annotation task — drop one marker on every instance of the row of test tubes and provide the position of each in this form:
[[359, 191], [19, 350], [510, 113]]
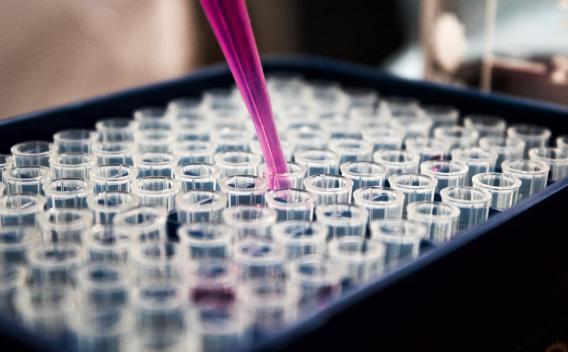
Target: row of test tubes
[[160, 232]]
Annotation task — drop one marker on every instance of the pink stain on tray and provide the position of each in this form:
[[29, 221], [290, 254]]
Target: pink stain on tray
[[231, 24]]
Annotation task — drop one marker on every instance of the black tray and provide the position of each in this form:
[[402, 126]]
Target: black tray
[[501, 286]]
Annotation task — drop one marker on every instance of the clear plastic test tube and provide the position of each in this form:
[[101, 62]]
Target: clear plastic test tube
[[154, 141], [26, 180], [258, 259], [504, 189], [220, 329], [202, 177], [302, 139], [102, 286], [447, 173], [317, 279], [534, 136], [113, 178], [300, 237], [441, 115], [237, 163], [74, 141], [5, 163], [15, 244], [416, 187], [200, 206], [107, 244], [428, 148], [486, 125], [291, 204], [457, 136], [401, 239], [115, 129], [562, 141], [398, 161], [143, 224], [250, 222], [364, 173], [104, 330], [154, 164], [34, 153], [194, 152], [231, 139], [65, 225], [384, 136], [106, 205], [55, 264], [318, 162], [359, 260], [205, 241], [67, 193], [157, 192], [555, 158], [152, 118], [477, 160], [294, 178], [114, 153], [329, 189], [381, 203], [72, 165], [532, 173], [12, 282], [351, 150], [21, 209], [343, 220], [213, 283], [473, 204], [506, 148], [156, 260], [244, 190], [440, 219]]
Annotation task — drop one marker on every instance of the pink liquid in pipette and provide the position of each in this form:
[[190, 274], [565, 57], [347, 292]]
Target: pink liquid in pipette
[[231, 24]]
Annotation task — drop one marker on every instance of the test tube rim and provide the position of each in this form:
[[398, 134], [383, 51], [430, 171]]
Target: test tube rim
[[458, 155], [507, 167], [414, 157], [268, 216], [347, 172], [260, 185], [463, 203], [300, 158], [272, 203], [464, 169], [534, 154], [414, 214], [17, 153], [32, 237], [397, 201], [174, 186], [419, 228], [346, 184], [219, 202], [433, 182], [48, 187], [35, 262], [38, 206], [544, 134], [84, 282], [223, 234], [336, 253], [220, 161], [319, 236], [361, 218], [83, 221], [478, 182], [130, 176]]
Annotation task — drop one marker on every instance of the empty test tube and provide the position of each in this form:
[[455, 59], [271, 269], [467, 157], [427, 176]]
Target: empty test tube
[[359, 260], [21, 209], [115, 129], [237, 163], [230, 139], [473, 204], [74, 141], [12, 282], [244, 190], [55, 264], [200, 206], [401, 238], [505, 148], [197, 177], [107, 244], [477, 160], [504, 189], [220, 329], [351, 150], [441, 115], [447, 173], [65, 224], [26, 179], [154, 164], [143, 224], [113, 178], [486, 125], [114, 153], [291, 204], [532, 173], [194, 152], [250, 221], [317, 279], [416, 187], [440, 219], [5, 162], [302, 140], [67, 193], [383, 136], [337, 129], [300, 237], [293, 178], [205, 241], [15, 244], [318, 162], [364, 173], [457, 136], [258, 259], [102, 286], [157, 260], [72, 165], [381, 203], [398, 161], [102, 330], [534, 136], [428, 148], [154, 141], [415, 124], [329, 189], [106, 205], [34, 153], [152, 118], [158, 192], [343, 220], [555, 158]]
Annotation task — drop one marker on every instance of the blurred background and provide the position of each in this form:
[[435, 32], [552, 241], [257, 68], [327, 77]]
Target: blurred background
[[58, 51]]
